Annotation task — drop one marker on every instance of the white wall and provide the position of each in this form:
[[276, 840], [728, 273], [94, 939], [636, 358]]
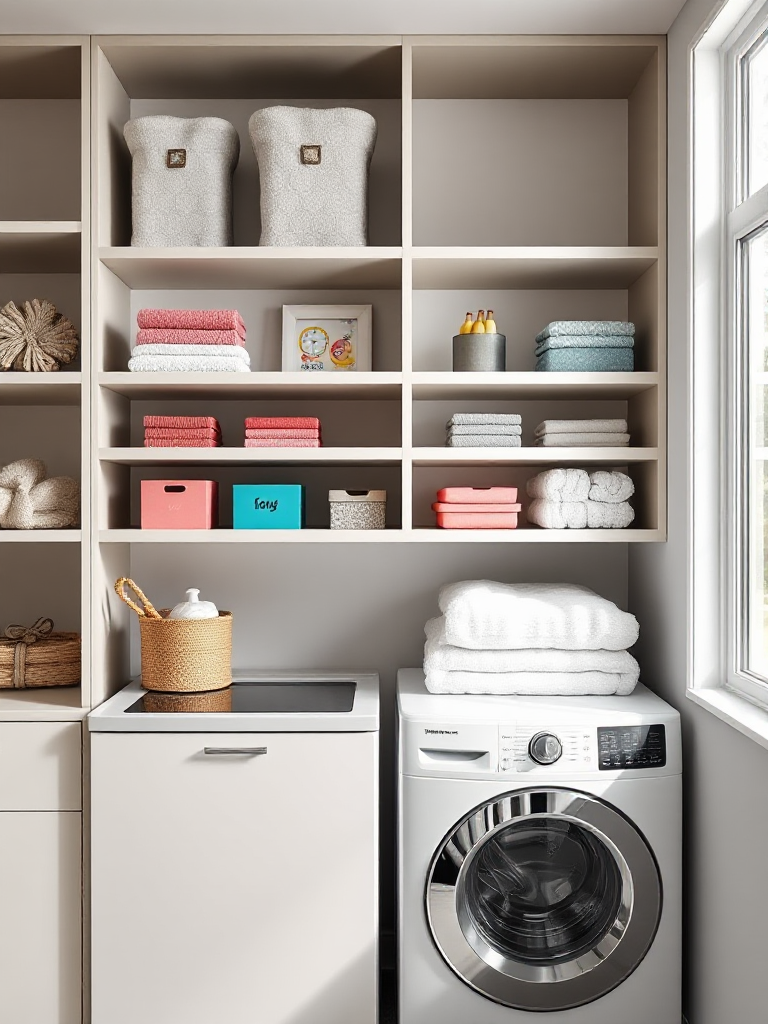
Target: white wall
[[726, 832]]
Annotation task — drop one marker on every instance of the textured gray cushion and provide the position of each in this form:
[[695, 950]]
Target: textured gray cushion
[[313, 204], [190, 205]]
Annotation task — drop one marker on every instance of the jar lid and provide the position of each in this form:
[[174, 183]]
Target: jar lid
[[357, 496]]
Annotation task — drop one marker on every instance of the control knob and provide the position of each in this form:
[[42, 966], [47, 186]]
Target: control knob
[[545, 748]]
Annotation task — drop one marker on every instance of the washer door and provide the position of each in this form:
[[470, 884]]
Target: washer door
[[544, 899]]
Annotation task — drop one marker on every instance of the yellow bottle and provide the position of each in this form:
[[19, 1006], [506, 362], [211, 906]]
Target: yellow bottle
[[478, 327], [490, 323], [466, 327]]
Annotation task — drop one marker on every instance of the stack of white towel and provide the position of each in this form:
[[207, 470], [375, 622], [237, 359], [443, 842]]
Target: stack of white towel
[[529, 638], [582, 434], [484, 430], [573, 499]]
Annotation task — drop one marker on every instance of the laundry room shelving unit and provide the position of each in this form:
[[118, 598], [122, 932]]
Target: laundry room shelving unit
[[522, 173]]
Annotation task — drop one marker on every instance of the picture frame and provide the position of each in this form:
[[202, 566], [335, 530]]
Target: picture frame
[[328, 339]]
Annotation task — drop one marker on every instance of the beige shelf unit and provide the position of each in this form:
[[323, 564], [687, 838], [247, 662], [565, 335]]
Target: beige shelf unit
[[471, 204]]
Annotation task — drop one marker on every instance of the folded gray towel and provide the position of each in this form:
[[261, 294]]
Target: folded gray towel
[[463, 418], [586, 327], [508, 429], [581, 427], [583, 341], [484, 441], [582, 441]]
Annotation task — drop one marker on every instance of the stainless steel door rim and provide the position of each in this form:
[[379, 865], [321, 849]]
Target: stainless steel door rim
[[473, 892]]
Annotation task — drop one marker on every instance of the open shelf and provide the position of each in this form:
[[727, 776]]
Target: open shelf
[[248, 456], [40, 247], [61, 387], [251, 267], [253, 385], [528, 385], [40, 536], [47, 704], [543, 457]]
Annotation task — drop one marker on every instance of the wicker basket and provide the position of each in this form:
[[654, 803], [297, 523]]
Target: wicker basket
[[36, 657], [181, 655]]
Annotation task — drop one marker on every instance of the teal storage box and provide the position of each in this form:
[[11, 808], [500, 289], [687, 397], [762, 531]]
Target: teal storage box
[[268, 506]]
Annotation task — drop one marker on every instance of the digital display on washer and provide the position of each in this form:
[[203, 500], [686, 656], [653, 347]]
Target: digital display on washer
[[631, 746]]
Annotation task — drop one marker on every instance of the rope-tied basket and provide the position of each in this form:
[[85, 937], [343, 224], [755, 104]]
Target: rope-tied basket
[[180, 655], [35, 656]]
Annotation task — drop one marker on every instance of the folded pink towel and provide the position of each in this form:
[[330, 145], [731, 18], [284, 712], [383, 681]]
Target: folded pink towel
[[478, 495], [477, 520], [277, 442], [282, 423], [275, 432], [181, 421], [475, 510], [169, 442], [191, 319], [187, 336], [182, 433]]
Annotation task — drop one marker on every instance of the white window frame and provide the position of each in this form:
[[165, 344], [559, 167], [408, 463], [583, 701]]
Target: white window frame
[[716, 445]]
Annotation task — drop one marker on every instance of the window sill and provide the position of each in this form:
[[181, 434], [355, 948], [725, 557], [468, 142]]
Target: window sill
[[736, 710]]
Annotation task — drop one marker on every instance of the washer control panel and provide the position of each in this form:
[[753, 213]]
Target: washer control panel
[[530, 746], [631, 746]]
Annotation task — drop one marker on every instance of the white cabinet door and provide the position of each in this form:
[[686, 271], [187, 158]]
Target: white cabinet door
[[229, 889], [40, 918]]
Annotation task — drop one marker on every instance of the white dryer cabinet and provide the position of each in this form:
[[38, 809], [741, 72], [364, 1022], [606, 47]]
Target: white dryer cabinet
[[238, 888]]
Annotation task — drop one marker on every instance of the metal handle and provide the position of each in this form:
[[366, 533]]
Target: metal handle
[[246, 751]]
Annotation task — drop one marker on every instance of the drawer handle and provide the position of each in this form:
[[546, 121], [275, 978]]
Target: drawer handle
[[245, 751]]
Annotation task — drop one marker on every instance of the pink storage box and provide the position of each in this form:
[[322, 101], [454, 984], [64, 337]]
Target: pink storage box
[[478, 495], [179, 504], [475, 510], [477, 520]]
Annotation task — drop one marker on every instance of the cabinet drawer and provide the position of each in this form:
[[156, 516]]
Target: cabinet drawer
[[40, 766]]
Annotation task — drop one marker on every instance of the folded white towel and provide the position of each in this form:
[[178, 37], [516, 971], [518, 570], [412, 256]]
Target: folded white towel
[[581, 427], [603, 515], [610, 486], [486, 615], [484, 441], [442, 657], [539, 684], [559, 485], [207, 351], [141, 363], [582, 441], [557, 515], [462, 418], [470, 429]]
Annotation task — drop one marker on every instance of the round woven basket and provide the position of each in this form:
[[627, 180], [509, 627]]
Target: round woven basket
[[50, 661]]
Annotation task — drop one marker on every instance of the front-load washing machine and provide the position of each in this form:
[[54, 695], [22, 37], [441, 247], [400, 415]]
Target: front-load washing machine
[[539, 858]]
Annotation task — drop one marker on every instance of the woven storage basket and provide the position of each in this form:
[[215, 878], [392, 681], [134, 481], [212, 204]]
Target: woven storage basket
[[188, 703], [38, 657], [181, 655]]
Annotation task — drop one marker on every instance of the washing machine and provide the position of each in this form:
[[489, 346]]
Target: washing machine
[[539, 858]]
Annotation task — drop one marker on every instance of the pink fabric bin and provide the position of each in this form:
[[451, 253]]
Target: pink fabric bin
[[477, 520], [474, 510], [179, 504], [478, 495]]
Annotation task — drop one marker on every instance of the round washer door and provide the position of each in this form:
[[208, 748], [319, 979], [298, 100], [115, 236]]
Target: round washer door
[[544, 899]]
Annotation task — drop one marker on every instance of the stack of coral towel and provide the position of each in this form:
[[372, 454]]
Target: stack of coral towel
[[582, 434], [529, 638], [181, 432], [573, 499], [190, 341], [283, 432], [588, 345], [477, 508], [484, 430]]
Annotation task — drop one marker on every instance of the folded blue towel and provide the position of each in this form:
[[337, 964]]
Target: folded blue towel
[[585, 341], [588, 360], [581, 327]]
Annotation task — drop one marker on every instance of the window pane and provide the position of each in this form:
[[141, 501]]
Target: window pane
[[757, 117], [755, 619]]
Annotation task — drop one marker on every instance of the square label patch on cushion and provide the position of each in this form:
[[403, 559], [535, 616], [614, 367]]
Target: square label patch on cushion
[[176, 158], [311, 154]]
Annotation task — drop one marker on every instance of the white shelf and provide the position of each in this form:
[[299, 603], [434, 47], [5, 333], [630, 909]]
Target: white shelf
[[40, 536], [425, 535], [49, 704], [532, 535], [443, 386], [58, 388], [249, 456], [255, 267], [531, 456], [254, 385], [531, 267], [40, 247]]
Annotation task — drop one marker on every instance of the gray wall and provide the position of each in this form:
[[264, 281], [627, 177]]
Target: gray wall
[[726, 832]]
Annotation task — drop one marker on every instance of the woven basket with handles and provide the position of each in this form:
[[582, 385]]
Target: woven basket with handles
[[34, 656], [180, 655]]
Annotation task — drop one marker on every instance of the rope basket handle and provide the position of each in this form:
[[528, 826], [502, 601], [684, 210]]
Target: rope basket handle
[[148, 610]]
